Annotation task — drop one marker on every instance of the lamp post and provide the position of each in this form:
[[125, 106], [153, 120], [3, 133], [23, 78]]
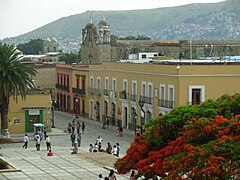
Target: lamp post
[[52, 110], [141, 104], [76, 107]]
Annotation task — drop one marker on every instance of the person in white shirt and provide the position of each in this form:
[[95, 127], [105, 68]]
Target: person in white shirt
[[114, 151], [38, 142], [48, 143], [99, 140], [25, 140], [95, 148]]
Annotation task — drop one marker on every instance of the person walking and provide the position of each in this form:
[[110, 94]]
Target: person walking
[[38, 142], [45, 133], [107, 121], [73, 138], [79, 137], [50, 153], [83, 127], [118, 149], [120, 131], [111, 175], [48, 143], [78, 127], [132, 176], [100, 177], [25, 140], [69, 127]]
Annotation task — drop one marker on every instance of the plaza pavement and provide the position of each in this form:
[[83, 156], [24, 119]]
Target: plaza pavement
[[62, 165]]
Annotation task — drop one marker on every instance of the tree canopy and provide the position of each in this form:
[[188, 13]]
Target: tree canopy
[[34, 46], [15, 79], [70, 58], [191, 142], [139, 37]]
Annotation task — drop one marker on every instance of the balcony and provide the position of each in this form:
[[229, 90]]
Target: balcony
[[133, 97], [106, 92], [62, 87], [94, 91], [166, 103], [146, 99], [113, 94], [78, 91], [123, 95]]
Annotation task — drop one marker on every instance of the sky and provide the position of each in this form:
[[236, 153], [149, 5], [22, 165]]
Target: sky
[[21, 16]]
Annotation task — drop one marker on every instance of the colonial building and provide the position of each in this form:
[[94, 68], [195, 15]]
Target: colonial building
[[36, 108], [131, 94]]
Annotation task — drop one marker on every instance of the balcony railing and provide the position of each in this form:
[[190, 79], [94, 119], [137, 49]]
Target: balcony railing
[[106, 92], [113, 94], [166, 103], [123, 95], [62, 87], [94, 91], [133, 97], [146, 99], [78, 91], [195, 103]]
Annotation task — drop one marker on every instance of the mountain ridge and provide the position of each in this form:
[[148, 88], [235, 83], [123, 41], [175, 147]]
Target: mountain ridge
[[192, 21]]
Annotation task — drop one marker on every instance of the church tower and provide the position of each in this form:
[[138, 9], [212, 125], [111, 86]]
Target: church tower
[[96, 46]]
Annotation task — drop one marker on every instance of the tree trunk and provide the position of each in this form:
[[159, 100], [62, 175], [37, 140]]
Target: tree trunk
[[4, 117]]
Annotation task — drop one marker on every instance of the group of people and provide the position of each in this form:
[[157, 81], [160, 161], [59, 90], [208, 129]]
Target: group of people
[[97, 147], [111, 176], [76, 136], [38, 139]]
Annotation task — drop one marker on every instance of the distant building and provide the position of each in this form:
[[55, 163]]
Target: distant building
[[50, 45]]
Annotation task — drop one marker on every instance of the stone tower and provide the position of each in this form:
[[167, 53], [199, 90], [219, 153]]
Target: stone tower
[[95, 46]]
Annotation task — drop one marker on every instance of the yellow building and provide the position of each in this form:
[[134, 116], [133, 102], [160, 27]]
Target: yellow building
[[130, 94], [36, 108]]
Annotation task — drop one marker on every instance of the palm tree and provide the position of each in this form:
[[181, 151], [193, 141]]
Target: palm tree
[[15, 79]]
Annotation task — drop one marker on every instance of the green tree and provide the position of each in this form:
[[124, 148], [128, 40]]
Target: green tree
[[15, 79], [113, 37], [70, 58], [34, 46]]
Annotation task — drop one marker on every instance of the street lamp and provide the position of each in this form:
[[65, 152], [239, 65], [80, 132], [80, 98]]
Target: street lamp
[[141, 104], [76, 107]]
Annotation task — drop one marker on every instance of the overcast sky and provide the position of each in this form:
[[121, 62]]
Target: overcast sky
[[21, 16]]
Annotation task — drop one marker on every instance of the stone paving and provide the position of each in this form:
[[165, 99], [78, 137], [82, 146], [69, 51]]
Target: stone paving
[[62, 165]]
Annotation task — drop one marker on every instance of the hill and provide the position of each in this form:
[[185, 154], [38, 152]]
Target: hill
[[194, 21]]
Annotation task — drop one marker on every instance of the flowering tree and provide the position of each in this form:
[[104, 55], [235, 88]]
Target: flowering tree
[[191, 142]]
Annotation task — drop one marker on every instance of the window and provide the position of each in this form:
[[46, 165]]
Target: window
[[162, 95], [98, 83], [143, 88], [196, 94], [91, 82], [114, 85], [134, 88], [106, 83], [170, 96], [125, 85], [144, 56]]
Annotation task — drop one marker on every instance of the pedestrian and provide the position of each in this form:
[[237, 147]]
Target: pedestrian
[[118, 149], [107, 121], [83, 127], [73, 126], [38, 142], [106, 178], [138, 131], [25, 140], [120, 131], [50, 153], [75, 149], [132, 176], [100, 147], [90, 148], [104, 124], [45, 133], [99, 140], [109, 148], [73, 138], [48, 143], [100, 177], [78, 127], [69, 127], [114, 151], [95, 147], [79, 138], [111, 175]]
